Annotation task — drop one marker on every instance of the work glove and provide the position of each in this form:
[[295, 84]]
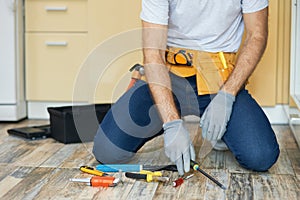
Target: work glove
[[178, 145], [216, 116]]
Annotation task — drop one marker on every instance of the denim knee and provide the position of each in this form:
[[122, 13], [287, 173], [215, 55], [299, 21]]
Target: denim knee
[[260, 159], [107, 152]]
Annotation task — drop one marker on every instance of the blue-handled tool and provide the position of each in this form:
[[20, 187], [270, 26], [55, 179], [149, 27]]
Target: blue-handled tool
[[118, 167], [134, 167]]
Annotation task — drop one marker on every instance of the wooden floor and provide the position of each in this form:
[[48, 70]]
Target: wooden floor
[[41, 169]]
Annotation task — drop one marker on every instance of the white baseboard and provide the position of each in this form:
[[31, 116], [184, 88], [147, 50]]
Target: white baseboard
[[276, 114], [38, 110], [13, 112]]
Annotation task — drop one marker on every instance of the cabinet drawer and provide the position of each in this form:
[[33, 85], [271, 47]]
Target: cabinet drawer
[[56, 15], [52, 64]]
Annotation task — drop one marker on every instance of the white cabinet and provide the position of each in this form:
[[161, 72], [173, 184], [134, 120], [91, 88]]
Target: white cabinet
[[56, 44], [12, 102], [295, 52], [294, 110]]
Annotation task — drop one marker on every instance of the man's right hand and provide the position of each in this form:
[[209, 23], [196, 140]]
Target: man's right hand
[[178, 145]]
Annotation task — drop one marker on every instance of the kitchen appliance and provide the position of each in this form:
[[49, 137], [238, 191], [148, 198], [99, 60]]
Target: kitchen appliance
[[12, 98], [294, 107]]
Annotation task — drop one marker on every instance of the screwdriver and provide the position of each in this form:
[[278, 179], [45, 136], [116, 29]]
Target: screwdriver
[[179, 181], [196, 167], [97, 181]]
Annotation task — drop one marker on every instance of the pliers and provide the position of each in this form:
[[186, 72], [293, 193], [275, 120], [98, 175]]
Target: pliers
[[148, 176]]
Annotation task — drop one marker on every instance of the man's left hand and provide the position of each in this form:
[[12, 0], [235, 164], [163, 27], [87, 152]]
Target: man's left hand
[[216, 116]]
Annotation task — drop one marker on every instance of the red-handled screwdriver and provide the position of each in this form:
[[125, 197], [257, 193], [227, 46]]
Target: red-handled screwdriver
[[179, 181], [98, 181]]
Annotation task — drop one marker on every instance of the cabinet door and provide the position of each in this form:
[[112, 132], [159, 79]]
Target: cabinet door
[[295, 52], [52, 64], [7, 54], [294, 109], [56, 15]]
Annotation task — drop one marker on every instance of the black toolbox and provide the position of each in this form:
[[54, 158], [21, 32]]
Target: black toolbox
[[73, 124]]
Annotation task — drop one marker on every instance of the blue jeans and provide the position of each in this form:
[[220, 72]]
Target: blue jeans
[[133, 120]]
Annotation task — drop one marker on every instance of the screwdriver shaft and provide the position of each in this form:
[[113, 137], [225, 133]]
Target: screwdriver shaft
[[80, 180], [195, 166]]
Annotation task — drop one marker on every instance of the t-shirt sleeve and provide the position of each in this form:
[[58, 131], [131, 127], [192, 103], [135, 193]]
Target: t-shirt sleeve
[[250, 6], [155, 11]]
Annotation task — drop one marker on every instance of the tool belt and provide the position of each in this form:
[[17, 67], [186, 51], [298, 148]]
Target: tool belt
[[211, 69]]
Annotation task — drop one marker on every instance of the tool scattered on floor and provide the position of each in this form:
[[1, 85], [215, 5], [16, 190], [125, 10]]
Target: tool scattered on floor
[[196, 167], [91, 170], [148, 176], [98, 181], [180, 180], [134, 167], [149, 173]]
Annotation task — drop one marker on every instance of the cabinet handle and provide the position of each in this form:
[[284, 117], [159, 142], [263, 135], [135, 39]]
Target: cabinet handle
[[62, 8], [62, 43]]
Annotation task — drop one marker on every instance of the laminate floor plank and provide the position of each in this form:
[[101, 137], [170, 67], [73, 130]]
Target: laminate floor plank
[[9, 151], [275, 187], [5, 170], [11, 176], [142, 190], [215, 160], [240, 187], [294, 155], [41, 169], [29, 182], [285, 137], [39, 155], [59, 186], [60, 156], [283, 164], [81, 156]]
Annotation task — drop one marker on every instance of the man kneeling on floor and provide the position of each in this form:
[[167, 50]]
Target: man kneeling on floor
[[191, 68]]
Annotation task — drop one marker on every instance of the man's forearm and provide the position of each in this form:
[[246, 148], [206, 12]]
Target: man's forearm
[[160, 87], [251, 52], [157, 74]]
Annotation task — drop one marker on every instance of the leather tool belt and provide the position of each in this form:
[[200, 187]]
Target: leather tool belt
[[211, 69]]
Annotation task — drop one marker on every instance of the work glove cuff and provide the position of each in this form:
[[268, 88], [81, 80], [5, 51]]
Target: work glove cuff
[[171, 124], [227, 95]]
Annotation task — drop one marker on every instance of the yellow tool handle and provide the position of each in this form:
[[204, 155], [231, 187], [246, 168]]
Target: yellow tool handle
[[91, 170], [155, 173], [151, 176], [223, 60]]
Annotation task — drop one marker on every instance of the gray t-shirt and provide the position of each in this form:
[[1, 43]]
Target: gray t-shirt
[[207, 25]]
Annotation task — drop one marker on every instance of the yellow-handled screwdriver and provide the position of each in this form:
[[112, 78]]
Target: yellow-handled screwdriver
[[91, 170]]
